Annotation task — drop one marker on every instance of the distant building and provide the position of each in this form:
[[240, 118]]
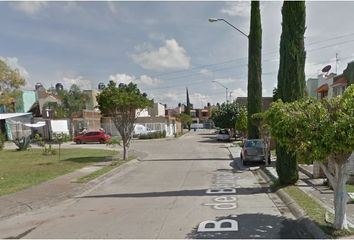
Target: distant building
[[157, 110], [311, 87], [46, 97], [324, 88], [173, 112]]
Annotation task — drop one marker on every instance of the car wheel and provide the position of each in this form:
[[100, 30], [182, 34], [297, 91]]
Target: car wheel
[[78, 142], [101, 141]]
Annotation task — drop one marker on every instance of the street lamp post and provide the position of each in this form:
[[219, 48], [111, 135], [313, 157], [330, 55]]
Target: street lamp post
[[223, 87], [221, 19], [244, 34]]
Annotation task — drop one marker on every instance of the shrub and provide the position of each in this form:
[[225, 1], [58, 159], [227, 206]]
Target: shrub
[[39, 140], [153, 135], [48, 150], [113, 142]]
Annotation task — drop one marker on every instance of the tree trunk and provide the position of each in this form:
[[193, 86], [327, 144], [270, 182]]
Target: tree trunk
[[125, 152], [340, 197], [267, 149]]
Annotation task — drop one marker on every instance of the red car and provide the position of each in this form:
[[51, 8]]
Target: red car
[[92, 136]]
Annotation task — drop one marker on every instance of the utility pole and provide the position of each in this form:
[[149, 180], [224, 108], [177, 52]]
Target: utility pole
[[337, 63]]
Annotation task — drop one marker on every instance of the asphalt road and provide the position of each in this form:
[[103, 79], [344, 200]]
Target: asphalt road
[[184, 188]]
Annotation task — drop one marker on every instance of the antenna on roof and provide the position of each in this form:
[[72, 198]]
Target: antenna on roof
[[326, 69]]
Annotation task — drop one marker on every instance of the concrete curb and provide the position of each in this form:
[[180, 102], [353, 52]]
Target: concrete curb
[[305, 171], [95, 183], [70, 195], [297, 211]]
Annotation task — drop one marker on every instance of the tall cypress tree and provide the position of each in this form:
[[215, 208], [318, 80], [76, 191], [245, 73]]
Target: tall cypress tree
[[291, 77], [254, 91], [188, 109]]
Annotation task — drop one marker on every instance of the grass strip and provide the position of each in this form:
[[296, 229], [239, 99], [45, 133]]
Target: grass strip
[[103, 170], [316, 212], [22, 169], [350, 188]]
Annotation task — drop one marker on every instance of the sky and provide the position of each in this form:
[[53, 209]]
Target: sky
[[163, 47]]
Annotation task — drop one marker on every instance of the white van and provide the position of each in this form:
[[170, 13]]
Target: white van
[[141, 129]]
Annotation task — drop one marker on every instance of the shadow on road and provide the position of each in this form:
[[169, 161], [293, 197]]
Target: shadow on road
[[186, 159], [212, 140], [254, 226], [88, 159], [183, 193]]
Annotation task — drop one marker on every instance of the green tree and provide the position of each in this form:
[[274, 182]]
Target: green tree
[[185, 119], [73, 101], [226, 115], [291, 76], [10, 83], [241, 122], [319, 131], [123, 104], [254, 91]]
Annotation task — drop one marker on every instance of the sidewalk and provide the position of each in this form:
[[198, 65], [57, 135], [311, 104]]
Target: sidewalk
[[320, 191], [313, 187], [57, 190]]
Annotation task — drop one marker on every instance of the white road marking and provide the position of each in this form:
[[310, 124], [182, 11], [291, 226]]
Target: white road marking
[[218, 226]]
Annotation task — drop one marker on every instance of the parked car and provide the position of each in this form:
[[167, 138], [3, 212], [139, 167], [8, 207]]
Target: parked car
[[223, 135], [141, 130], [253, 150], [92, 136]]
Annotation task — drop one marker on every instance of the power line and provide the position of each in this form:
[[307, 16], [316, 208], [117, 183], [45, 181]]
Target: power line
[[245, 58]]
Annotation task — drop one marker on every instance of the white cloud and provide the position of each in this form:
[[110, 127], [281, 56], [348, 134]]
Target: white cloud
[[205, 72], [83, 84], [143, 79], [122, 78], [240, 9], [29, 7], [238, 92], [226, 80], [313, 69], [13, 63], [199, 99], [171, 56]]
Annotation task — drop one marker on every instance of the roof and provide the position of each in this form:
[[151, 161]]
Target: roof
[[322, 88], [340, 81], [12, 115]]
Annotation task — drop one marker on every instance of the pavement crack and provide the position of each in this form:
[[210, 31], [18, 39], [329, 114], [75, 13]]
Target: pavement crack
[[21, 235]]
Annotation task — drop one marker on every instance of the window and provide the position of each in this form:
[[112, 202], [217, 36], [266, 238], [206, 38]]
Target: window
[[258, 144]]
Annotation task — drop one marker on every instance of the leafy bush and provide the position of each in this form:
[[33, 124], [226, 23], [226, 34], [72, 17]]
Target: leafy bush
[[39, 140], [48, 150], [2, 141], [60, 138], [113, 142], [153, 135]]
